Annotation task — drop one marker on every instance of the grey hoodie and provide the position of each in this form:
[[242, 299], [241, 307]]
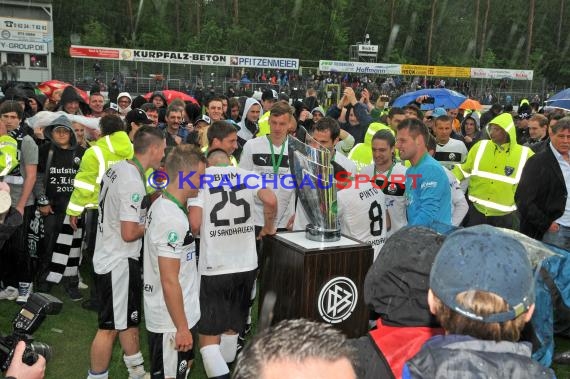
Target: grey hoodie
[[61, 121], [479, 134], [244, 132], [475, 117], [123, 111]]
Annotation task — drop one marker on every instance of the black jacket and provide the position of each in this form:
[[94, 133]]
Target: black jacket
[[63, 167], [541, 194], [357, 131]]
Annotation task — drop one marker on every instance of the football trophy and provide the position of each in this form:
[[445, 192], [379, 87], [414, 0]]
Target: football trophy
[[316, 189]]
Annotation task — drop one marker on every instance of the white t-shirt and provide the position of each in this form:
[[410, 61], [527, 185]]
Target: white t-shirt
[[459, 206], [168, 235], [362, 214], [394, 194], [346, 163], [256, 157], [450, 154], [227, 232], [120, 199]]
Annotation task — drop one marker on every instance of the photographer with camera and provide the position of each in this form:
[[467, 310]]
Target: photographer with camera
[[20, 370], [21, 357]]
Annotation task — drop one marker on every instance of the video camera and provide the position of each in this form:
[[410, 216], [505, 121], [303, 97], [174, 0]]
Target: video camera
[[26, 322]]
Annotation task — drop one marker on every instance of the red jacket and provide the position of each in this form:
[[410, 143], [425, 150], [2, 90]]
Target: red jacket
[[399, 344]]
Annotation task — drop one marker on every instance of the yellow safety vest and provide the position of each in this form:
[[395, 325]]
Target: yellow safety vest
[[373, 128], [494, 175], [361, 155]]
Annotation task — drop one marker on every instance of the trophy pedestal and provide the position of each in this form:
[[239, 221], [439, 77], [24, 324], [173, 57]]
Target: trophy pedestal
[[320, 281]]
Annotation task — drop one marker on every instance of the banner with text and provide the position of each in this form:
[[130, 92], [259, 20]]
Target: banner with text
[[497, 73], [159, 56], [94, 52], [423, 70], [360, 67], [23, 47], [446, 71], [22, 29]]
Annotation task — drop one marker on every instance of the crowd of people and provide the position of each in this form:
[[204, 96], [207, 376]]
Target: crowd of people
[[87, 185]]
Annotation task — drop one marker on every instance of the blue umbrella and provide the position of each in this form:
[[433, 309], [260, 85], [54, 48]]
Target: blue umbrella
[[560, 100], [444, 98]]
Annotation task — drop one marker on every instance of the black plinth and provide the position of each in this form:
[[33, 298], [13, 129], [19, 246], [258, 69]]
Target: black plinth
[[318, 281]]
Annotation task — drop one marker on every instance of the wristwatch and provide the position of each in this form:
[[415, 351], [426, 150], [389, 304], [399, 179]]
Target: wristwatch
[[42, 201]]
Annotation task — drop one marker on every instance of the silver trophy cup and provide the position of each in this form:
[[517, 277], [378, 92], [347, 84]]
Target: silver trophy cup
[[316, 189]]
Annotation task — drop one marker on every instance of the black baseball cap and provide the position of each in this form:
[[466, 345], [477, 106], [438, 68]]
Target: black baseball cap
[[269, 94], [137, 116]]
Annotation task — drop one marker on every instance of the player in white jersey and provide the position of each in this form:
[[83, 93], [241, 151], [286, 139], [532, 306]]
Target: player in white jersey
[[268, 156], [449, 151], [388, 175], [325, 134], [223, 135], [222, 213], [122, 211], [459, 205], [362, 214], [171, 282]]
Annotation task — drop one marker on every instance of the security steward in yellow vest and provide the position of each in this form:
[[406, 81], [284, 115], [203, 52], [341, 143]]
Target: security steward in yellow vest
[[8, 154], [113, 146], [494, 168], [361, 153], [268, 98]]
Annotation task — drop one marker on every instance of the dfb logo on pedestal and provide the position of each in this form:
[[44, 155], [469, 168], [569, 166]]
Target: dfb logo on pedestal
[[337, 299]]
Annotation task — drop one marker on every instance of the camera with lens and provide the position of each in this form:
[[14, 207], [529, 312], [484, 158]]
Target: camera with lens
[[26, 322]]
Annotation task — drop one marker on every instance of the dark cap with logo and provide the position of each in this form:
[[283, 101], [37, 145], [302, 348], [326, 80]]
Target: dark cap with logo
[[111, 107], [138, 116], [484, 258], [269, 94]]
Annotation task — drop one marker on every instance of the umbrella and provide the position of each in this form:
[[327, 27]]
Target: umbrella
[[48, 88], [474, 105], [44, 118], [444, 98], [560, 100], [170, 95]]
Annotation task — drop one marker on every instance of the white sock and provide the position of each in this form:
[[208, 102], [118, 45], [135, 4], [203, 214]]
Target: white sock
[[135, 365], [213, 361], [228, 347], [252, 298], [253, 290], [102, 375]]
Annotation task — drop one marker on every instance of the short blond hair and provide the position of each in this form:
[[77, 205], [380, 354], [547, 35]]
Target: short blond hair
[[483, 304], [541, 119]]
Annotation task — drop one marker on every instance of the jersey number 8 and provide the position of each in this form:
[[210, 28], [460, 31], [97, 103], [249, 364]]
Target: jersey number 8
[[375, 215]]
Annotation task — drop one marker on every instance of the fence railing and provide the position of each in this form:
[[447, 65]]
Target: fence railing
[[143, 77]]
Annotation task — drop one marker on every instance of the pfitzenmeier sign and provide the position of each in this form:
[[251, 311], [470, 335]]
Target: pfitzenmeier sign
[[182, 57]]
